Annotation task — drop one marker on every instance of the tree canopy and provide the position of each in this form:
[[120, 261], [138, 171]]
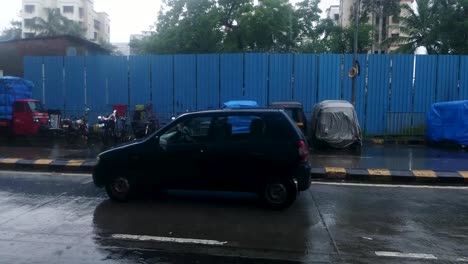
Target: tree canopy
[[441, 26], [56, 24], [12, 32], [211, 26]]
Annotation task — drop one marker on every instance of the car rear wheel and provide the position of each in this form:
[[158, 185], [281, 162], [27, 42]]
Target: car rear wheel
[[279, 194], [119, 189]]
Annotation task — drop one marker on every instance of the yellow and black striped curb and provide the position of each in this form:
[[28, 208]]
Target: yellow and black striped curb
[[326, 173], [388, 175], [381, 141], [56, 165]]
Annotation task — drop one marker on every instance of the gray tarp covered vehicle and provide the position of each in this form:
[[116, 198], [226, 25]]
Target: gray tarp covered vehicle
[[335, 123]]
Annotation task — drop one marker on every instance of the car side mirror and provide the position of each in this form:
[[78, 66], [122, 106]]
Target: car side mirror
[[156, 139]]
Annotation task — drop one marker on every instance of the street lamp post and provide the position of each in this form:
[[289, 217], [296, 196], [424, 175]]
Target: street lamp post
[[355, 63]]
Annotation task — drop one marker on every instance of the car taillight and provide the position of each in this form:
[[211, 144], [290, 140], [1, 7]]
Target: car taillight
[[303, 151]]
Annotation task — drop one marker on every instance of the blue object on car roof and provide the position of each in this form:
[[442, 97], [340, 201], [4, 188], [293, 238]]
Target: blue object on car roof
[[241, 104], [448, 122], [240, 124]]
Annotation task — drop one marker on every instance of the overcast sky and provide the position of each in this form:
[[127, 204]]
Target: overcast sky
[[127, 17]]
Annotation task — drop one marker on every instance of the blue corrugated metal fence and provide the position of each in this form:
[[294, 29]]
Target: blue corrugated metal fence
[[393, 91]]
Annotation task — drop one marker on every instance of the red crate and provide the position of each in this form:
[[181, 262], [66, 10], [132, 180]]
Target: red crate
[[121, 109]]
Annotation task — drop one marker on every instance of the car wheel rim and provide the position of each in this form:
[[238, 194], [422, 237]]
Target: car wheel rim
[[276, 193], [120, 186]]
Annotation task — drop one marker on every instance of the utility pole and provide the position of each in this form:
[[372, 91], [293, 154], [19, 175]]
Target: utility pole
[[357, 6]]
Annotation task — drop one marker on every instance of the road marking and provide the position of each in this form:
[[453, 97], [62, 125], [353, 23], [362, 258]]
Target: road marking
[[75, 163], [34, 173], [462, 259], [391, 185], [404, 255], [43, 162], [170, 239], [464, 174], [380, 172], [9, 161], [424, 173], [335, 170]]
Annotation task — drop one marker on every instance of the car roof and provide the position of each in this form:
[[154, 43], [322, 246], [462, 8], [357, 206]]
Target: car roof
[[236, 110]]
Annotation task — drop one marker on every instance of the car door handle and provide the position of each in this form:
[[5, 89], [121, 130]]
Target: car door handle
[[202, 149]]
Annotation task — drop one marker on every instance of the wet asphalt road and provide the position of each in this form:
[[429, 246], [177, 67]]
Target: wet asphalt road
[[393, 157], [55, 218]]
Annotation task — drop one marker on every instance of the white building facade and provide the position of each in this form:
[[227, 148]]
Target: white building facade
[[333, 13], [97, 24], [390, 23]]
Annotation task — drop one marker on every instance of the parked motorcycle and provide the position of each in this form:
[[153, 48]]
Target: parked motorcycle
[[107, 128], [113, 129], [76, 130], [144, 122]]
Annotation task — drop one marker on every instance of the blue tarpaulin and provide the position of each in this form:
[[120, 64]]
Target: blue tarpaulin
[[240, 124], [241, 104], [12, 89], [448, 122]]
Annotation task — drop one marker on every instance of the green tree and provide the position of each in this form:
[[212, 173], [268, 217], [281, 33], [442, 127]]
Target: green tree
[[12, 32], [418, 28], [205, 26], [335, 39], [56, 24], [440, 26]]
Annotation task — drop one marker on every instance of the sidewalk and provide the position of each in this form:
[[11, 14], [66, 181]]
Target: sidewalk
[[376, 163]]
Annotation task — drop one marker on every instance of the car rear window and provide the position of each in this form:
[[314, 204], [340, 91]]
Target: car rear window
[[281, 127]]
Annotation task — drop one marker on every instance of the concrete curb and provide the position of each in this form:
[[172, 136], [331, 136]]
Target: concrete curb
[[381, 141], [321, 173], [388, 176], [48, 165]]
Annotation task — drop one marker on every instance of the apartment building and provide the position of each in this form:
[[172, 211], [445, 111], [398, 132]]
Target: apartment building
[[333, 13], [389, 24], [97, 24]]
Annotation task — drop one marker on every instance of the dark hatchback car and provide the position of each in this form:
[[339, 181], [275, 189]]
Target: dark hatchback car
[[205, 151], [295, 111]]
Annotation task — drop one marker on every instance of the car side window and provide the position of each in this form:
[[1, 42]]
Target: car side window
[[238, 127], [193, 130]]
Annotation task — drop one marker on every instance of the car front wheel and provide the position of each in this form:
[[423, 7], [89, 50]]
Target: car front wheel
[[118, 189], [279, 194]]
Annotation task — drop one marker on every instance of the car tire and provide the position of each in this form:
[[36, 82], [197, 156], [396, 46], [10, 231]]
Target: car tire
[[278, 195], [119, 189]]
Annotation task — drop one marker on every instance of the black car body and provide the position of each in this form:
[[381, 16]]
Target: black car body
[[203, 150], [295, 111]]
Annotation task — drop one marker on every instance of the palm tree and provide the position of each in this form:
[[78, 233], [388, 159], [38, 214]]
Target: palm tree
[[418, 28], [56, 24]]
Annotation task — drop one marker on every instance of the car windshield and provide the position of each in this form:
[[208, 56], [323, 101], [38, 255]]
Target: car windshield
[[35, 106]]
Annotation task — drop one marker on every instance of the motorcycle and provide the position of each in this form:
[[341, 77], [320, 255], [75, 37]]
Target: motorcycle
[[113, 129], [107, 128], [144, 123], [76, 129]]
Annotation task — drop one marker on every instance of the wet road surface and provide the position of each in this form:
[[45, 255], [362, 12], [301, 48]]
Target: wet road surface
[[55, 218], [393, 157]]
